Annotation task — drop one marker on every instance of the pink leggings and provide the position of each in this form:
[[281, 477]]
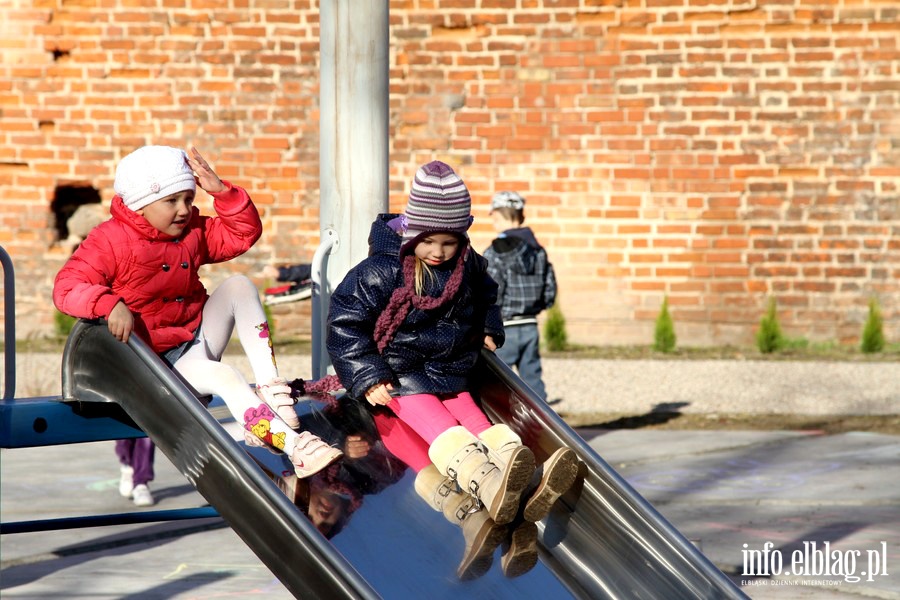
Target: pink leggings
[[420, 419]]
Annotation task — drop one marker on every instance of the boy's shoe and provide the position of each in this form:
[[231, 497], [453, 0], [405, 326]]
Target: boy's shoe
[[126, 481], [277, 394], [311, 455], [289, 293], [142, 496]]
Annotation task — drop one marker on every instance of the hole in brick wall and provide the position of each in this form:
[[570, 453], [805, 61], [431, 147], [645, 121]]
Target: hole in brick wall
[[67, 200], [59, 54]]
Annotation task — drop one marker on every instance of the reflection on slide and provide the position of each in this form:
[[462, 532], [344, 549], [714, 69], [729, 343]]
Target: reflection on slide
[[359, 530]]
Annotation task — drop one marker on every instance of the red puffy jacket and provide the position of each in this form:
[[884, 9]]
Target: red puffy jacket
[[126, 258]]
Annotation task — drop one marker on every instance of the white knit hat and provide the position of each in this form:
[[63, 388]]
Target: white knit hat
[[151, 173]]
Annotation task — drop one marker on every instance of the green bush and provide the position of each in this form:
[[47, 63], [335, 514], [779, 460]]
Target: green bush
[[769, 337], [555, 330], [664, 334], [873, 332], [62, 324]]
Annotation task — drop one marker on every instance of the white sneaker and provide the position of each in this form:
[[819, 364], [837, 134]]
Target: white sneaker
[[126, 482], [142, 496], [277, 394], [311, 455]]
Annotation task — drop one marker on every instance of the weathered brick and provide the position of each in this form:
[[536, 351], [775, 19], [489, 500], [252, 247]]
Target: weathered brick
[[630, 129]]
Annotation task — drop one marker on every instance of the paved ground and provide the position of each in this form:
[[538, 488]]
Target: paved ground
[[802, 499]]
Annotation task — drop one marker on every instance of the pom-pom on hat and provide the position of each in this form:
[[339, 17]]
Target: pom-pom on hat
[[151, 173], [438, 202], [507, 200]]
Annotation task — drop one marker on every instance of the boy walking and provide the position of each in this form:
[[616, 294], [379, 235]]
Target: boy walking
[[519, 265]]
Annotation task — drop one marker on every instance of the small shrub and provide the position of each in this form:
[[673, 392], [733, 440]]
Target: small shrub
[[769, 337], [555, 330], [63, 324], [664, 334], [873, 332]]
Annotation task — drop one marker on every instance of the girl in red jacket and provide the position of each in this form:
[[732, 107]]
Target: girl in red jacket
[[139, 271]]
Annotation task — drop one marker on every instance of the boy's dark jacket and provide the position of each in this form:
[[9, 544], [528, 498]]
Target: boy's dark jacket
[[527, 283], [433, 351]]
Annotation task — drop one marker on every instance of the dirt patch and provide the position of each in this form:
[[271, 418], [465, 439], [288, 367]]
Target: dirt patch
[[888, 424]]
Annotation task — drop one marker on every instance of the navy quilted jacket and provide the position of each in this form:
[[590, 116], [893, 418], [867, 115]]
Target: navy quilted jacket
[[433, 351]]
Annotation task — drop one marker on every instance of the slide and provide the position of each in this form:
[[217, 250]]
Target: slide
[[601, 540]]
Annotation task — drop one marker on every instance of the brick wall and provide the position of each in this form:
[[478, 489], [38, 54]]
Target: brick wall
[[719, 153]]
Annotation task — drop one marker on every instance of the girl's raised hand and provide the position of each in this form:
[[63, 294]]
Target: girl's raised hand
[[203, 173]]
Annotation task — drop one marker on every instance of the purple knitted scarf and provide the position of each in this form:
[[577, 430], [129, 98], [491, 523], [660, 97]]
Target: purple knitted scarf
[[405, 297]]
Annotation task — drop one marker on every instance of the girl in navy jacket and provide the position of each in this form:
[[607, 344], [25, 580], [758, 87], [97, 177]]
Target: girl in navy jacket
[[406, 326]]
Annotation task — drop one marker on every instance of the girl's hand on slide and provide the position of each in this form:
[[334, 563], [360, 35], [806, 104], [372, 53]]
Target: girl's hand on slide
[[120, 322], [379, 393]]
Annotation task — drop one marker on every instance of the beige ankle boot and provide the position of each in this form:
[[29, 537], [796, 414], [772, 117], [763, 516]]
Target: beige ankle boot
[[504, 447], [522, 554], [482, 535], [457, 453], [559, 473]]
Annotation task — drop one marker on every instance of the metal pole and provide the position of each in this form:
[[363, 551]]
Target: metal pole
[[9, 336], [353, 141]]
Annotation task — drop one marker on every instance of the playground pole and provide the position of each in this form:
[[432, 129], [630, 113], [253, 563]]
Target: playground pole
[[353, 146]]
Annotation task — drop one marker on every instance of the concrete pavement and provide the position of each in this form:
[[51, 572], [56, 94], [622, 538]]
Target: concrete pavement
[[742, 497], [788, 515]]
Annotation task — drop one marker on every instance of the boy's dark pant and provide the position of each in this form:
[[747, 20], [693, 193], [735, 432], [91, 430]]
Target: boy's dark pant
[[522, 350]]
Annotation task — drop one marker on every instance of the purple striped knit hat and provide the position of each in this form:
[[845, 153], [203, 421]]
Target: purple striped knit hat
[[438, 202]]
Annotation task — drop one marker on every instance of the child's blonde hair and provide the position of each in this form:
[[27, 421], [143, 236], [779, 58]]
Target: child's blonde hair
[[406, 296], [422, 271]]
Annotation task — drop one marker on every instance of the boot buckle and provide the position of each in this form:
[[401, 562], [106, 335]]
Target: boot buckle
[[445, 488], [467, 508]]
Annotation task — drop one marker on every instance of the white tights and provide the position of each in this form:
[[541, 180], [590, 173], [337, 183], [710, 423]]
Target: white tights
[[235, 304]]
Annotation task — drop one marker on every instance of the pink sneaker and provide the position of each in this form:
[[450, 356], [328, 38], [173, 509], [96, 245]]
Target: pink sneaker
[[277, 394], [311, 455]]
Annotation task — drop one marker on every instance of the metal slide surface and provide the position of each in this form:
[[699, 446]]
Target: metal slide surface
[[601, 540], [98, 368]]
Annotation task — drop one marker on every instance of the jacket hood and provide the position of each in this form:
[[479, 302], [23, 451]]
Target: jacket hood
[[519, 249], [382, 238], [523, 233]]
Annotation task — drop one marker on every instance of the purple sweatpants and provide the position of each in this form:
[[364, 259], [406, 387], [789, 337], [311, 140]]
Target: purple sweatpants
[[137, 453]]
